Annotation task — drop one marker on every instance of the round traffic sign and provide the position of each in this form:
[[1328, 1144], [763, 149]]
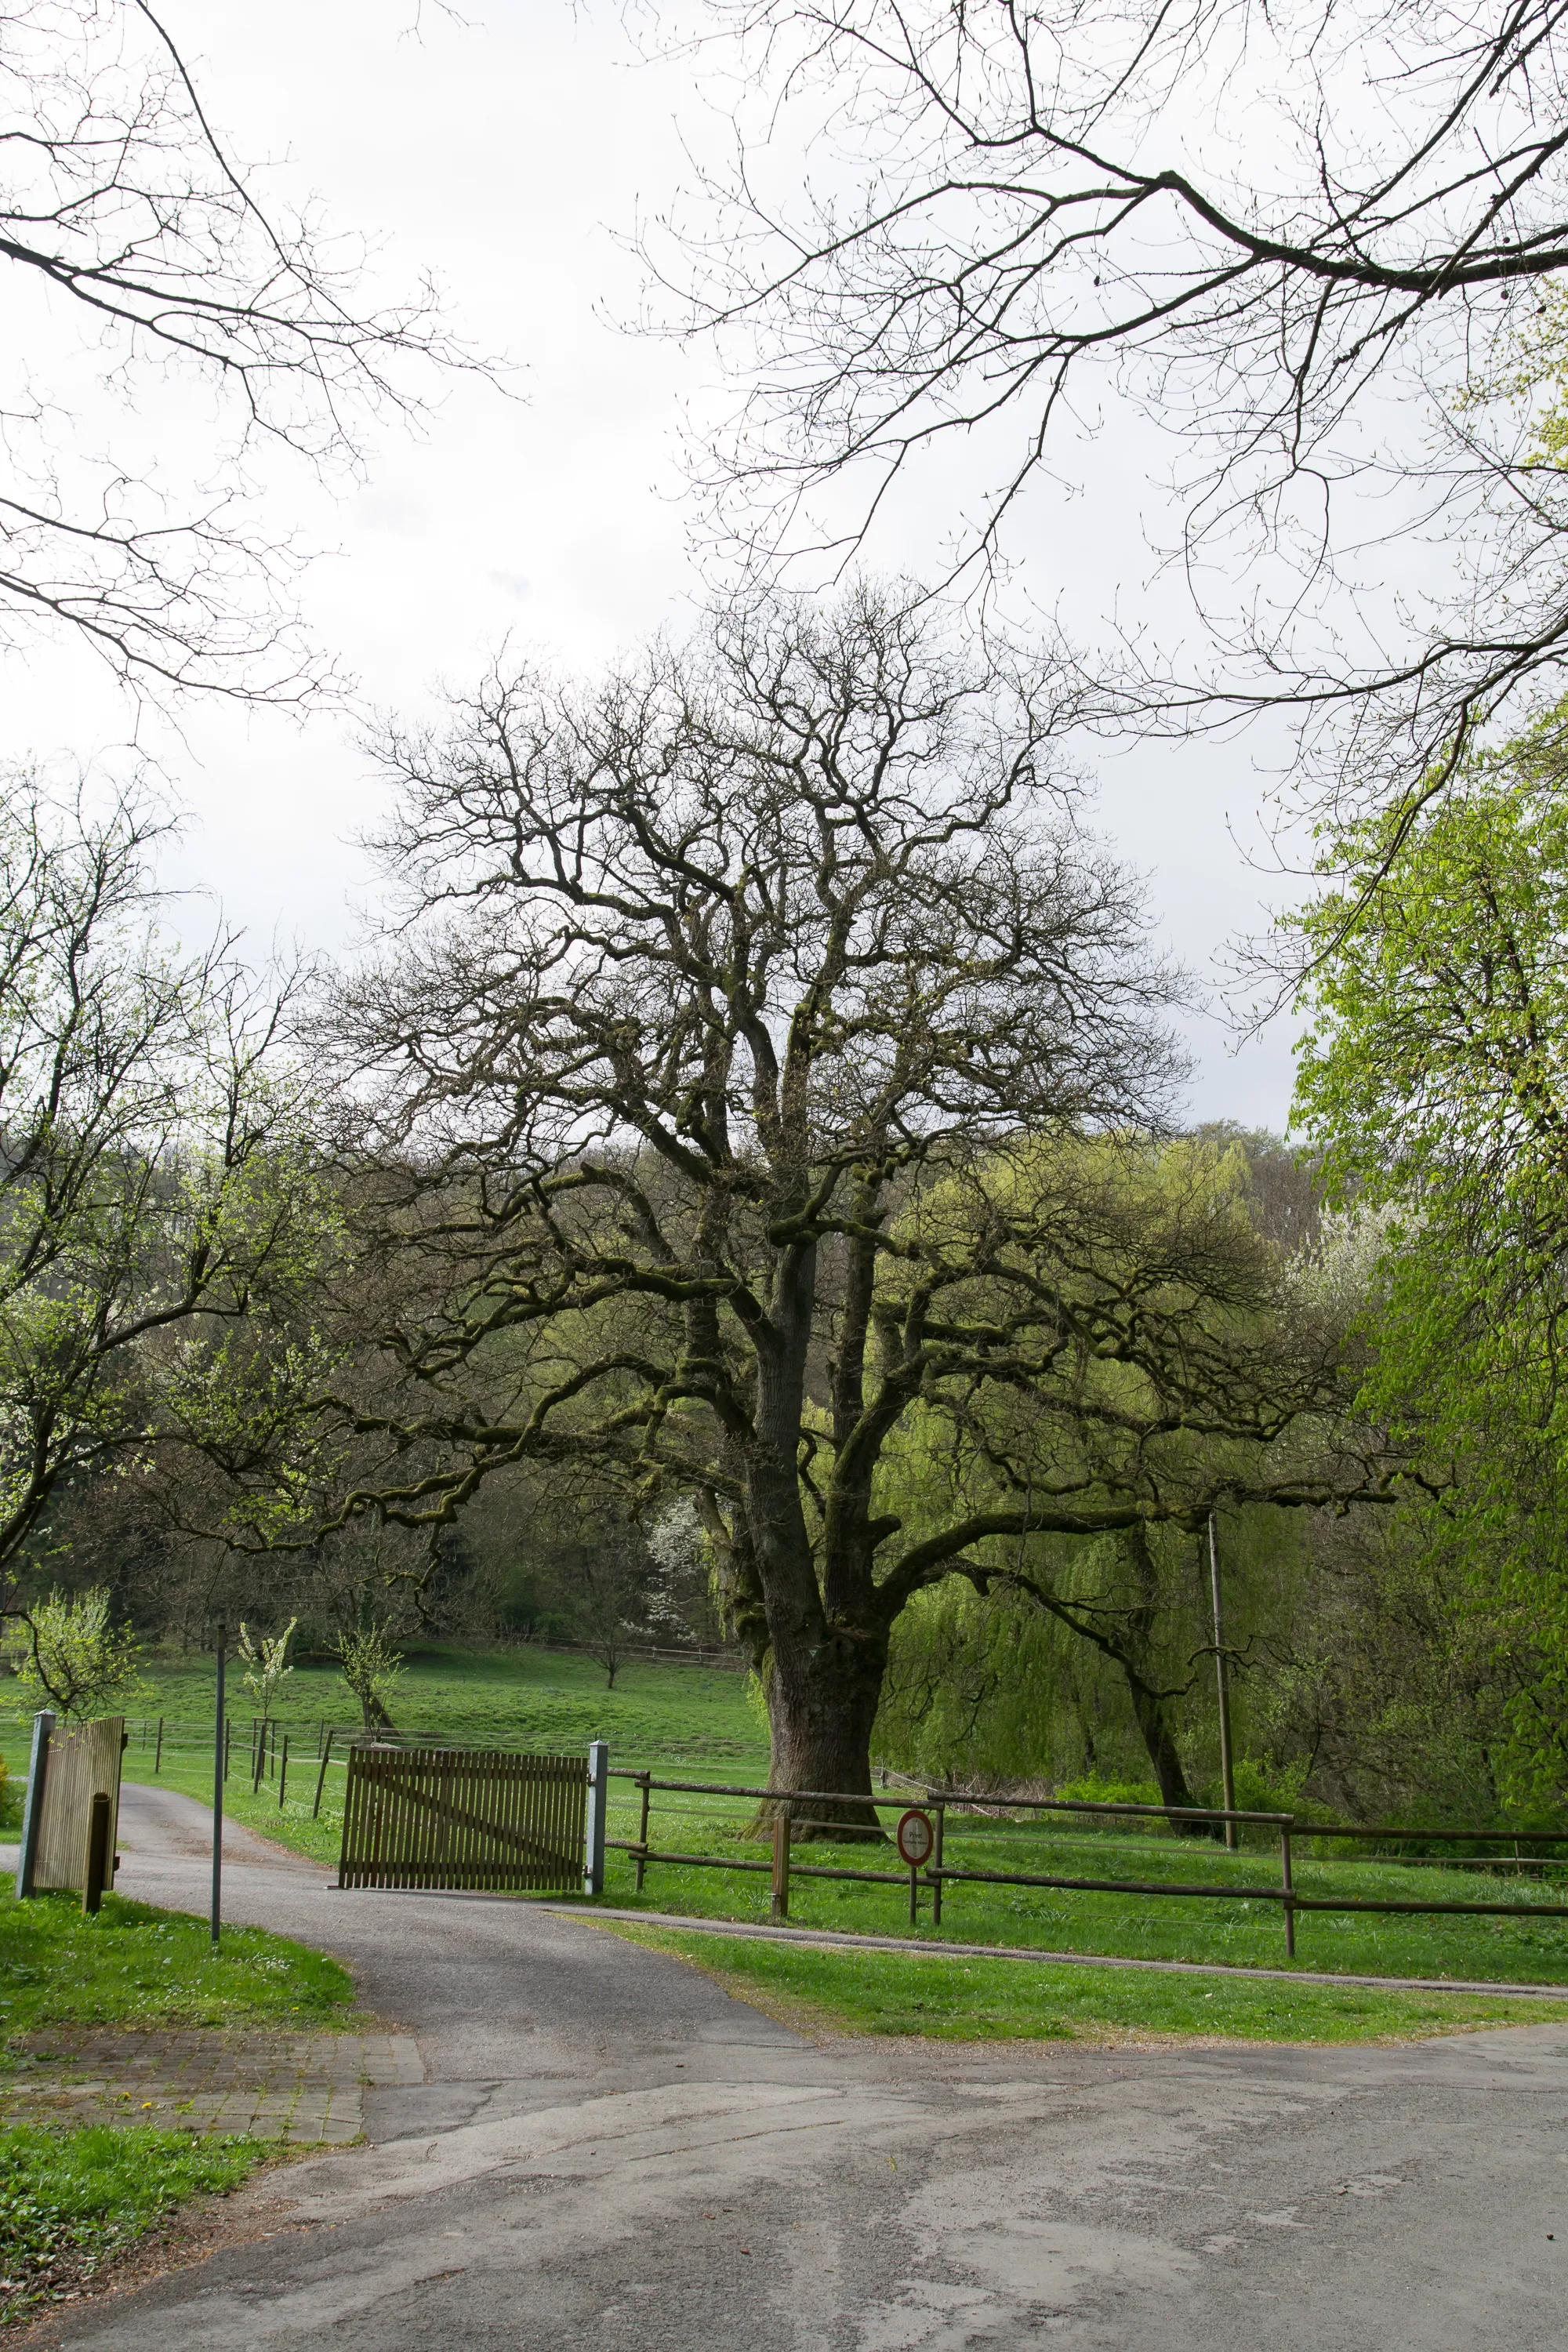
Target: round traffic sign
[[916, 1838]]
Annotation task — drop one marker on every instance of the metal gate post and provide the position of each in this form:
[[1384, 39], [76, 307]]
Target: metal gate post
[[598, 1797], [33, 1803]]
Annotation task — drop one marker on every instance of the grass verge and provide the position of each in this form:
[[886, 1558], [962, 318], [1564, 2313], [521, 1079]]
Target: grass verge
[[900, 1993], [74, 2200], [136, 1965], [71, 2202]]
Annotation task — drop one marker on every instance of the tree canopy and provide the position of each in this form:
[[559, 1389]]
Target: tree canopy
[[759, 1067], [1312, 245]]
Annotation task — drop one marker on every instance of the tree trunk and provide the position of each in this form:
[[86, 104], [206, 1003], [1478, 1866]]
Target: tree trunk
[[1159, 1738], [822, 1706], [1148, 1704]]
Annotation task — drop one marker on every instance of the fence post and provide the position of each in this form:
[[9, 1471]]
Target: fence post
[[33, 1802], [598, 1797], [780, 1863], [158, 1759], [1287, 1907], [283, 1775], [643, 1778], [941, 1812], [321, 1775]]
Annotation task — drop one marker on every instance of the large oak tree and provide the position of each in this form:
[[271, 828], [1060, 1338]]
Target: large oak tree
[[747, 1068]]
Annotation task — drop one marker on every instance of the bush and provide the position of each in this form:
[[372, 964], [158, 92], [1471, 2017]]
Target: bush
[[1095, 1791]]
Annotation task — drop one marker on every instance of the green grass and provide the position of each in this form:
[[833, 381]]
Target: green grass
[[521, 1697], [71, 2201], [1004, 2000], [135, 1965]]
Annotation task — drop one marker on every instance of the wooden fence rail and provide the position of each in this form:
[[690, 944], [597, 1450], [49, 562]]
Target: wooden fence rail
[[939, 1874]]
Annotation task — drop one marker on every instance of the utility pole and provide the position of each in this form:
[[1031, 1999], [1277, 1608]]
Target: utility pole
[[1227, 1762], [217, 1794]]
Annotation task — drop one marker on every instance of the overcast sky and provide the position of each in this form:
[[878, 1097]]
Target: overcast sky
[[511, 155]]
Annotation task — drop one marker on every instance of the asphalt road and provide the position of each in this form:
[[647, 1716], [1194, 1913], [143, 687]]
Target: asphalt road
[[608, 2152]]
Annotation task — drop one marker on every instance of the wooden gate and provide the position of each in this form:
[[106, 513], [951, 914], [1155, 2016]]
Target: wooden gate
[[446, 1817], [81, 1761]]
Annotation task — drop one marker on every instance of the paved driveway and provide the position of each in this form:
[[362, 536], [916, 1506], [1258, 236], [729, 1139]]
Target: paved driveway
[[606, 2151]]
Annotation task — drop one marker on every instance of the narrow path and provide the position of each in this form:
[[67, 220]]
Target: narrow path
[[607, 2151]]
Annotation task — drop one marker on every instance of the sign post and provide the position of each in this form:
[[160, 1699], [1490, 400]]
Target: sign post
[[915, 1838]]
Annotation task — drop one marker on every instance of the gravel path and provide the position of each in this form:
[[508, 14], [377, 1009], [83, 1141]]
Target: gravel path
[[607, 2151]]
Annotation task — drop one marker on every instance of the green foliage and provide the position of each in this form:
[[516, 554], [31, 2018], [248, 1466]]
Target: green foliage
[[1433, 1079], [266, 1664], [1095, 1792], [136, 1965], [71, 2201], [72, 1658], [974, 2000], [158, 1184], [369, 1667]]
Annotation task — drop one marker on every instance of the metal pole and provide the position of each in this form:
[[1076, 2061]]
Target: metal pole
[[283, 1774], [217, 1794], [598, 1794], [158, 1759], [321, 1775], [33, 1803], [1226, 1766]]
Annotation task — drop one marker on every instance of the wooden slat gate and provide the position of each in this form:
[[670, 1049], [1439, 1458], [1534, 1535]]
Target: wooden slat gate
[[456, 1818], [82, 1761]]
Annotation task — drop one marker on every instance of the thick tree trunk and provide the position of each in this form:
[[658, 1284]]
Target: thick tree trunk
[[822, 1706]]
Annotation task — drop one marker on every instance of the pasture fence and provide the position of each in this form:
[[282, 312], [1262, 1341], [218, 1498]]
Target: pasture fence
[[940, 1872]]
